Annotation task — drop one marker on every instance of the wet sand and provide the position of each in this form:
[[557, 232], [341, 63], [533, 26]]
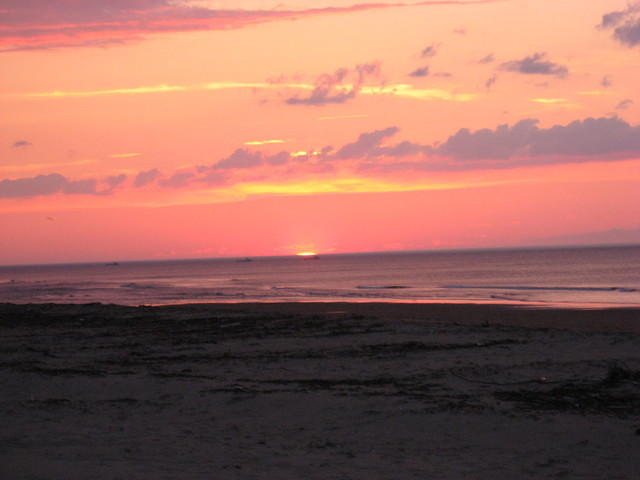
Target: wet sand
[[318, 391]]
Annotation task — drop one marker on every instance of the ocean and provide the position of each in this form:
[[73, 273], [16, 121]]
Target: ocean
[[571, 277]]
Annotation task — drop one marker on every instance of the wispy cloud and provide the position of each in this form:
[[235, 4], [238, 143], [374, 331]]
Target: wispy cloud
[[264, 142], [158, 89], [331, 88], [594, 93], [624, 104], [549, 100], [253, 85], [409, 91], [341, 91], [21, 144], [28, 45], [344, 117], [36, 25], [124, 155], [115, 91], [430, 51]]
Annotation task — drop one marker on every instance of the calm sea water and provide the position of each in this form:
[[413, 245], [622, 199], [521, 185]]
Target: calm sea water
[[553, 276]]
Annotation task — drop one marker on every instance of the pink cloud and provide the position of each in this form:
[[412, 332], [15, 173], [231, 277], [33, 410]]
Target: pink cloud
[[503, 147], [42, 24]]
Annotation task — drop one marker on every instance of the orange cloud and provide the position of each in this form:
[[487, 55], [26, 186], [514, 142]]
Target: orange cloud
[[115, 91], [264, 142], [124, 155]]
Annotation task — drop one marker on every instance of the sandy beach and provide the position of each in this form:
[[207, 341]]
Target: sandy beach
[[318, 391]]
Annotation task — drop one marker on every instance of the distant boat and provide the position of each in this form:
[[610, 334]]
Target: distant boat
[[112, 264], [246, 259]]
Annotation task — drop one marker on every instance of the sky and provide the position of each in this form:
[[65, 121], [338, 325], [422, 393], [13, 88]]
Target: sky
[[160, 129]]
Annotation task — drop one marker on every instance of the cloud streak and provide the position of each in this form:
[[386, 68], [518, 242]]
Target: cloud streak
[[115, 91], [427, 94], [264, 142], [35, 25], [339, 90]]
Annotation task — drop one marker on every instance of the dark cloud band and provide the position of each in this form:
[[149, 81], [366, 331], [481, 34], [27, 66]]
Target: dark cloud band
[[524, 143], [40, 25]]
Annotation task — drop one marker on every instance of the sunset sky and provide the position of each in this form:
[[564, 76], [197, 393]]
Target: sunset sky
[[158, 129]]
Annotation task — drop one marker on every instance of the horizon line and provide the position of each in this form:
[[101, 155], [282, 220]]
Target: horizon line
[[328, 254]]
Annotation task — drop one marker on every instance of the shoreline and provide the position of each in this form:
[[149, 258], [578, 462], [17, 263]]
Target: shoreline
[[609, 319]]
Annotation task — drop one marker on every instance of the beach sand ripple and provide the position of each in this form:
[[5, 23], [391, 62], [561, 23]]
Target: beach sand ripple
[[317, 392]]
